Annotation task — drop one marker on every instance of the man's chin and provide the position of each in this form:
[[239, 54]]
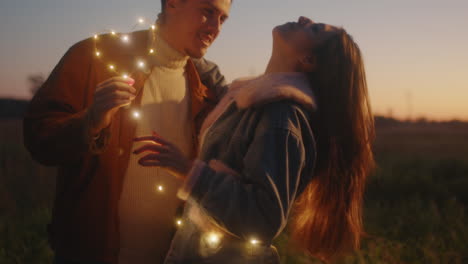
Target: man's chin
[[197, 53]]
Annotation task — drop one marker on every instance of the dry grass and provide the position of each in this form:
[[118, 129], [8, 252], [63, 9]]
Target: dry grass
[[415, 203]]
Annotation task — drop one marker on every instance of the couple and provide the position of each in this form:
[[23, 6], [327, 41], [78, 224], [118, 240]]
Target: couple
[[292, 144]]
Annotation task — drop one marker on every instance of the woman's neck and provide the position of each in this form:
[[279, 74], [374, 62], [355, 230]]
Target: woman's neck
[[280, 63]]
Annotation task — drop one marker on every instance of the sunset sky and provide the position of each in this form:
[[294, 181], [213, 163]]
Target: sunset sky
[[415, 51]]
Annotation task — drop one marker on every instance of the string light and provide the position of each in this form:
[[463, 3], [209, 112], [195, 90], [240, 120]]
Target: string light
[[254, 241], [125, 38], [137, 115], [160, 188], [213, 239]]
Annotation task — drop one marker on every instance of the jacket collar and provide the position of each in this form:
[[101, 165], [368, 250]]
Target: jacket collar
[[271, 87]]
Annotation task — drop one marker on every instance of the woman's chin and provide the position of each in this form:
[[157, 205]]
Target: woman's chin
[[279, 31]]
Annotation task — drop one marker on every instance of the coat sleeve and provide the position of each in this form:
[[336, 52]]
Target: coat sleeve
[[56, 124], [257, 202], [211, 76]]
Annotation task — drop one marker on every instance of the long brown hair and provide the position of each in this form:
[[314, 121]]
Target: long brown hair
[[327, 219]]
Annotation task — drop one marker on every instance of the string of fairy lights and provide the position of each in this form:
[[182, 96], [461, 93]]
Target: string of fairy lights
[[140, 64], [212, 239], [125, 38]]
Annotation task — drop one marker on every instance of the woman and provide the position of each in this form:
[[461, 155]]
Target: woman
[[296, 140]]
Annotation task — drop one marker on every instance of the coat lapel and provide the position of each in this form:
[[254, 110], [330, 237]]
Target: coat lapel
[[203, 101]]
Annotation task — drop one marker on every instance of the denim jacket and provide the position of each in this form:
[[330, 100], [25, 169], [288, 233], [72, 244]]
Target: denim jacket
[[257, 156]]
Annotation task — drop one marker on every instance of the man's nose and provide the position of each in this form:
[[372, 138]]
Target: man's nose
[[215, 25]]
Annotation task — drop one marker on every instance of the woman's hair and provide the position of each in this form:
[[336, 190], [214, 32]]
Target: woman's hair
[[327, 218]]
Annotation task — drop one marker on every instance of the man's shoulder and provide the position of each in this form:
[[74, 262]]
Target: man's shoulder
[[133, 43], [211, 76]]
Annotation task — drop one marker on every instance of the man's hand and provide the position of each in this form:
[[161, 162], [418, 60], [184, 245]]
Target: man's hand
[[164, 154], [109, 96]]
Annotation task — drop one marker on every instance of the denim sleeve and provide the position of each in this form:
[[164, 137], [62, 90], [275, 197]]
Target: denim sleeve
[[256, 203], [211, 76]]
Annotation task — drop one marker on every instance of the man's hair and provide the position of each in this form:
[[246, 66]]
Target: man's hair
[[163, 5]]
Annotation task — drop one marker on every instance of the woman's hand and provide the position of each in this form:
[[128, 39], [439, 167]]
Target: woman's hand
[[164, 154]]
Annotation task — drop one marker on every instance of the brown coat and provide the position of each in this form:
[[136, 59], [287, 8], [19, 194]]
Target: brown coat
[[90, 176]]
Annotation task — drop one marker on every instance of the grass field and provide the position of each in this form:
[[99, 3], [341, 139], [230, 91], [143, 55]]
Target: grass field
[[415, 205]]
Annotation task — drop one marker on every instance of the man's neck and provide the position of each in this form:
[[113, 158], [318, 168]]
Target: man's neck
[[167, 34], [166, 55]]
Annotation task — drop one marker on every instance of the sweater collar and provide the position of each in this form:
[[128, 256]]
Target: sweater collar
[[272, 87], [164, 54]]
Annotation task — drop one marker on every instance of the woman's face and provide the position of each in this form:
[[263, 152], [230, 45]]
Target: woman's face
[[299, 38]]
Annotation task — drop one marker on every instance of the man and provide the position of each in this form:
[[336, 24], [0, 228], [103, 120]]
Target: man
[[108, 209]]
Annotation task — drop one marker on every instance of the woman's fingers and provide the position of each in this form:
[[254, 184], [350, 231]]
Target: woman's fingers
[[150, 160], [151, 147], [156, 158], [153, 139], [171, 160], [160, 139]]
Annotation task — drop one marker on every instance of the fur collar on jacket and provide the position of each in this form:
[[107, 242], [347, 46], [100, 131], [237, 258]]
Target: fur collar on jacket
[[271, 87], [266, 88]]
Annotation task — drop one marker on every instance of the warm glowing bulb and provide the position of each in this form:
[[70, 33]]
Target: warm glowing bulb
[[141, 64], [125, 76], [254, 242], [137, 115], [112, 67], [179, 222], [151, 51], [125, 39], [141, 20], [98, 53], [96, 36], [153, 27], [213, 238], [160, 188], [113, 32]]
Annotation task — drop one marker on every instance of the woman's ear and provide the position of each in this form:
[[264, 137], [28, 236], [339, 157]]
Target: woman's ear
[[308, 63]]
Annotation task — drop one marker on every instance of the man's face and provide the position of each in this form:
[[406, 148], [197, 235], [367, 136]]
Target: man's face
[[195, 24]]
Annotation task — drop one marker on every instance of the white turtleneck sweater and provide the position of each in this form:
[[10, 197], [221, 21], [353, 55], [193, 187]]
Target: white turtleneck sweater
[[146, 214]]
